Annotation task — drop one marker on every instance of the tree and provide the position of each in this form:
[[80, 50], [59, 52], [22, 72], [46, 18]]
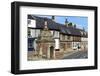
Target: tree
[[70, 24]]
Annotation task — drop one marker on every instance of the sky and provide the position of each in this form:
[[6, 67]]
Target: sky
[[80, 21]]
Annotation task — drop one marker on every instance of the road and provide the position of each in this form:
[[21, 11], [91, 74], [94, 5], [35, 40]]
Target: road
[[77, 55]]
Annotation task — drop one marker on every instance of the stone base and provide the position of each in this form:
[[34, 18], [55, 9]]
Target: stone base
[[59, 54]]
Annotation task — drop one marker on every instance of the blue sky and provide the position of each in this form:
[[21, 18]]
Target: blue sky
[[80, 21]]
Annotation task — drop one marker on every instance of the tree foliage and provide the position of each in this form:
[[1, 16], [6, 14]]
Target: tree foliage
[[70, 24]]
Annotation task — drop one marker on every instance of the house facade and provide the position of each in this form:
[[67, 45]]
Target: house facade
[[51, 39]]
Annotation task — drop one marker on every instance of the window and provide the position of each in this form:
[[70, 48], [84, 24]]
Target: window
[[56, 34], [29, 21], [29, 32], [63, 37], [60, 36], [30, 45], [30, 42], [68, 37]]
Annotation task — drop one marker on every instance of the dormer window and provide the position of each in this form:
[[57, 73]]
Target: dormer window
[[84, 33], [81, 32]]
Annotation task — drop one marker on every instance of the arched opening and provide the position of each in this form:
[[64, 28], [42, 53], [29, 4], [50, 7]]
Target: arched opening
[[51, 52]]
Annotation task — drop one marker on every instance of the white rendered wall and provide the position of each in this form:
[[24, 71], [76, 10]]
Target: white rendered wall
[[37, 32], [56, 43], [32, 24], [33, 32]]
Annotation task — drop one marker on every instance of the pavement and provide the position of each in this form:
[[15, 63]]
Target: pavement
[[32, 55], [72, 54], [76, 55]]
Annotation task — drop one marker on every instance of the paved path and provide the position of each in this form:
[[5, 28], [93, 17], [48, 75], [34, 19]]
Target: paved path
[[77, 55]]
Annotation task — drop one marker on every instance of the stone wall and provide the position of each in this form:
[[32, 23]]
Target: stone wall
[[59, 54]]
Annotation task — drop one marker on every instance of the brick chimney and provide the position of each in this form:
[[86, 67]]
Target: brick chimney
[[74, 26]]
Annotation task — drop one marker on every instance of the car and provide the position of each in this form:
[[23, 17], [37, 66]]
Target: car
[[74, 48]]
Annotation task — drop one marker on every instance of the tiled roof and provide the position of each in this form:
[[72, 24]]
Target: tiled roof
[[52, 25]]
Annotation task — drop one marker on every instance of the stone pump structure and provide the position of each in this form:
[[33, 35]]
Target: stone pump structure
[[46, 43]]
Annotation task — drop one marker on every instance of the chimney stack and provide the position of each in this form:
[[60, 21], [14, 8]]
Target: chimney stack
[[83, 29], [53, 18], [45, 23], [74, 25], [66, 22]]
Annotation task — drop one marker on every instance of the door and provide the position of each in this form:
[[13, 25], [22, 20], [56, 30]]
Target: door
[[51, 52]]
